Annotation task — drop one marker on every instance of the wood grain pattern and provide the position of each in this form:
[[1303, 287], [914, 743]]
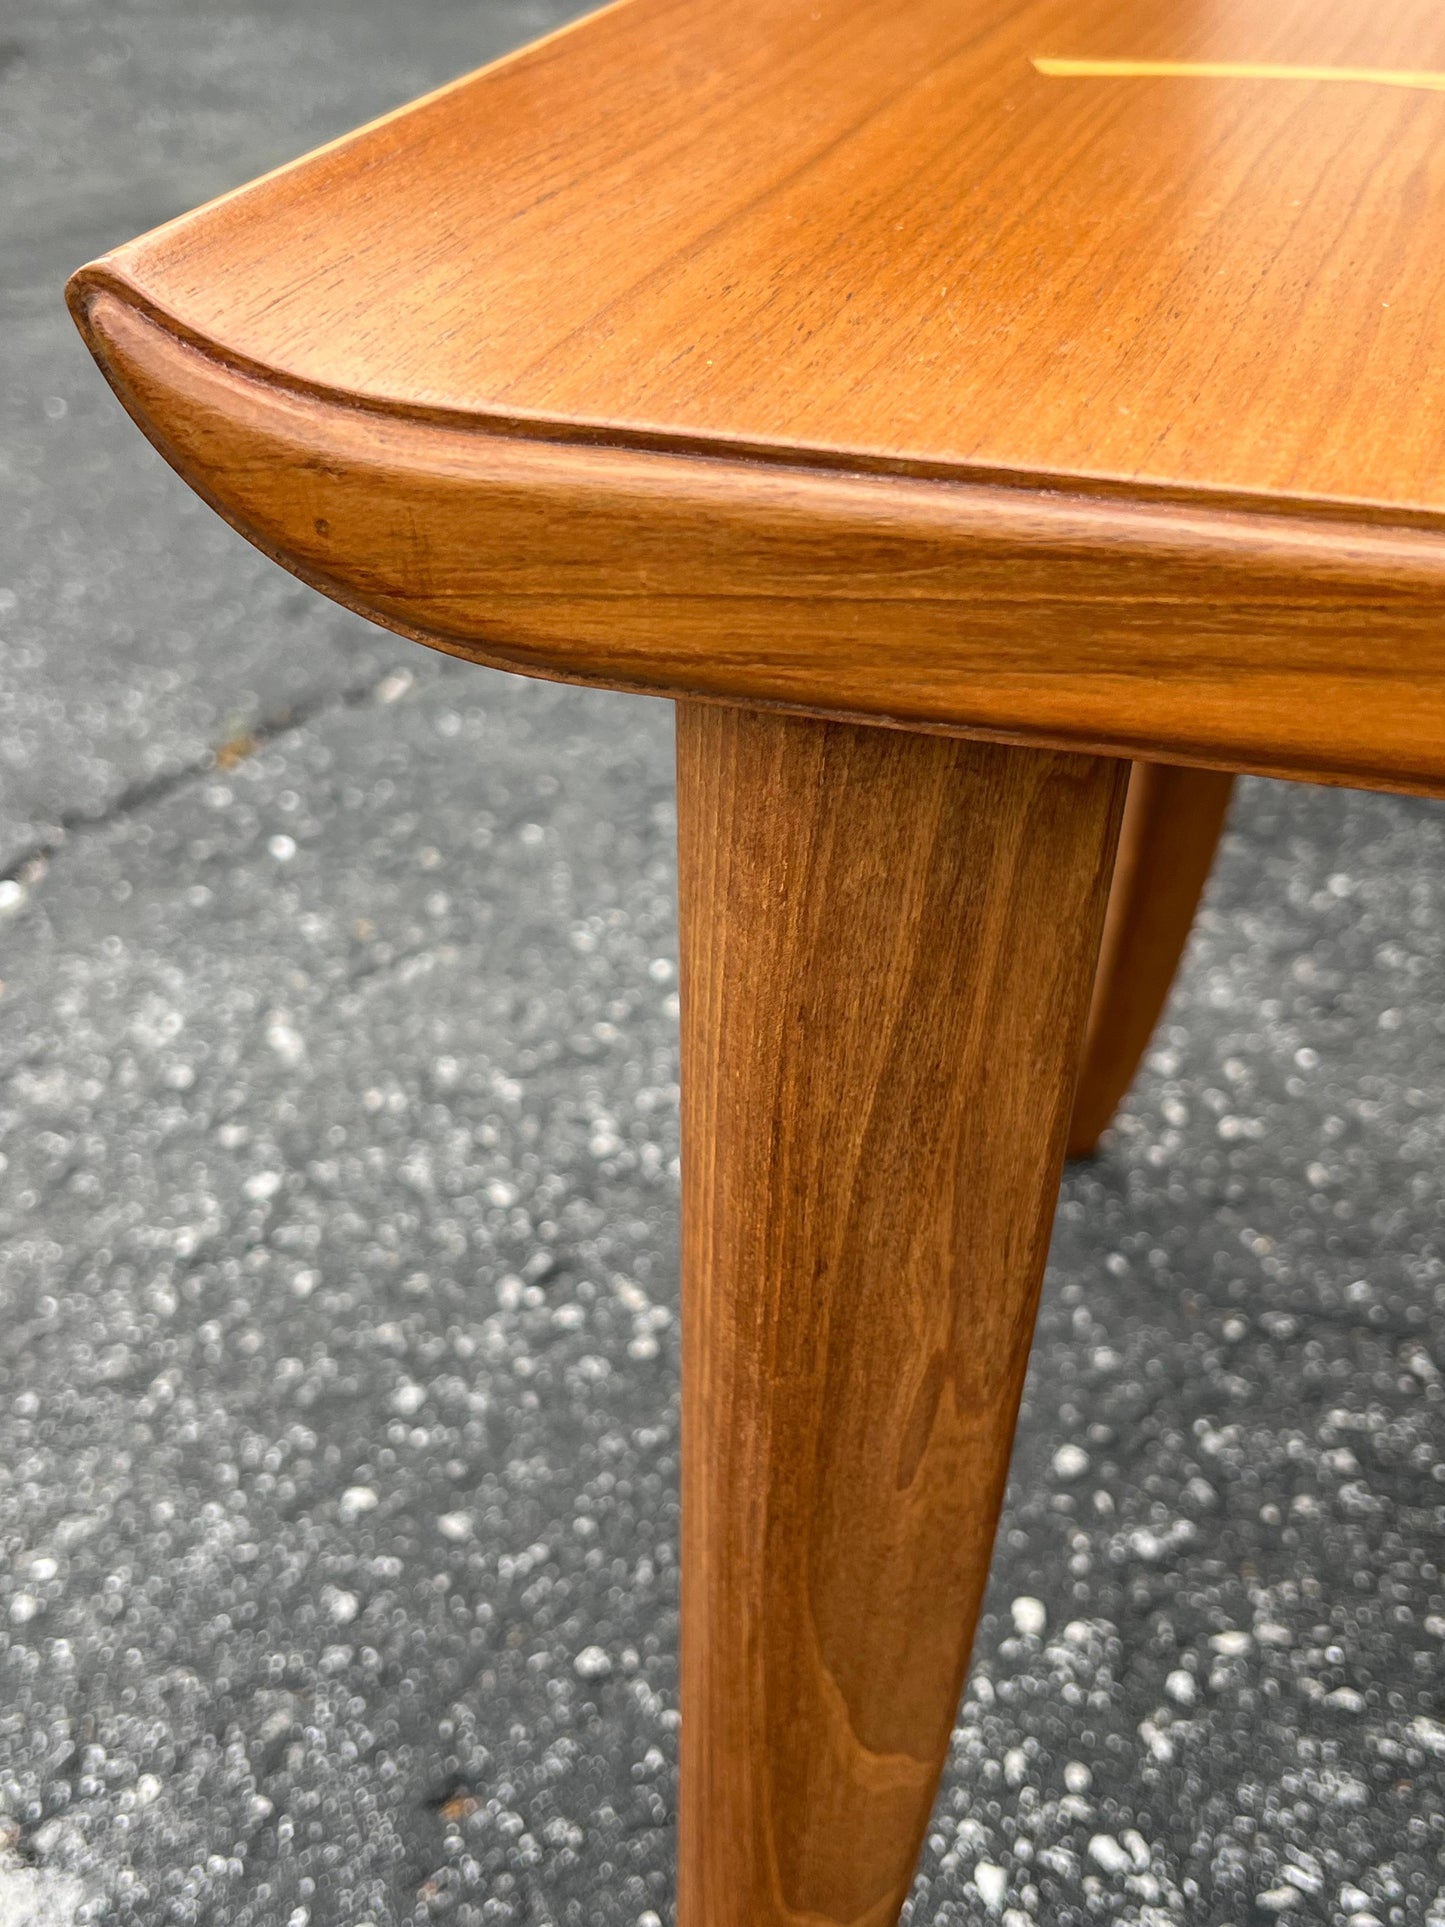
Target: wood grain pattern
[[871, 227], [887, 942], [1172, 824], [828, 354], [1287, 644]]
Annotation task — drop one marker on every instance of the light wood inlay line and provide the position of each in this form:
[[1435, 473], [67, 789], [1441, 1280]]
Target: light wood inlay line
[[1230, 70], [795, 368]]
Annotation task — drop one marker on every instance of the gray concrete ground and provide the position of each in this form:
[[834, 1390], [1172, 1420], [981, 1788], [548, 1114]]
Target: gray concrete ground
[[338, 1377]]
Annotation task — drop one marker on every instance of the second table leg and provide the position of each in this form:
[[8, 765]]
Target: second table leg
[[1172, 824]]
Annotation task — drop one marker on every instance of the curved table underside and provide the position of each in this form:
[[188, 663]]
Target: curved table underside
[[831, 356]]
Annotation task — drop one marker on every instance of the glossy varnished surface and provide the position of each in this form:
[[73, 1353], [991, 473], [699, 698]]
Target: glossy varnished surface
[[1292, 645], [825, 354], [863, 226]]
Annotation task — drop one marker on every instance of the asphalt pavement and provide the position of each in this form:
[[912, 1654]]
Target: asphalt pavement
[[338, 1229]]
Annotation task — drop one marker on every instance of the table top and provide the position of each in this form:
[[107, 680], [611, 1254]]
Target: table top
[[1066, 371], [873, 227]]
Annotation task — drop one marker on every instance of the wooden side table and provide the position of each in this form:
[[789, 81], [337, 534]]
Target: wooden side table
[[948, 404]]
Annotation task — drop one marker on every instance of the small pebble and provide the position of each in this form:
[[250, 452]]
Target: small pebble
[[992, 1883], [1029, 1616], [1182, 1687], [1105, 1852], [1232, 1643]]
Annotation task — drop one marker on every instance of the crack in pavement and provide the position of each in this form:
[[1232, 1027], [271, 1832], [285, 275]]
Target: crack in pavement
[[30, 865]]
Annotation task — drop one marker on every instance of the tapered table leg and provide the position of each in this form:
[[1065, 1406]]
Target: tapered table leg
[[887, 943], [1172, 823]]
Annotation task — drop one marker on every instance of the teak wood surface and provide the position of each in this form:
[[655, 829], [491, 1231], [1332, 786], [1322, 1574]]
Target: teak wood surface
[[871, 1159], [1172, 822], [827, 364], [825, 353]]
